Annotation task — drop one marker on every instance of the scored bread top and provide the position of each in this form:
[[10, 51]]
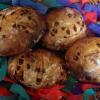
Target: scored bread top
[[65, 26], [37, 69], [20, 28], [83, 59]]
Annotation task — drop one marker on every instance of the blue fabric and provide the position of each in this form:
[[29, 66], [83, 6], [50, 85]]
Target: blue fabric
[[15, 2], [98, 10], [64, 2], [90, 8], [1, 98], [95, 28], [93, 8], [76, 6], [4, 1], [41, 8], [77, 89]]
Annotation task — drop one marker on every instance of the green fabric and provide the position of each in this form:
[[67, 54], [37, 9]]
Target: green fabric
[[69, 84], [18, 92], [88, 93], [17, 89], [51, 3], [3, 6], [3, 67], [13, 97]]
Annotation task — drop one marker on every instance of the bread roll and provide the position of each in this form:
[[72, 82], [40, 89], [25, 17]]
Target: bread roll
[[37, 69], [65, 26], [83, 59], [20, 28]]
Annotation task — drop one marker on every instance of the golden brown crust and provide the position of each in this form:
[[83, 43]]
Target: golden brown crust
[[37, 69], [20, 27], [65, 26], [83, 59]]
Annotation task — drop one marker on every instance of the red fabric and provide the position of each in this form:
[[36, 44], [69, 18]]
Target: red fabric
[[72, 1], [53, 93], [98, 94], [90, 17], [84, 1], [86, 86], [33, 94], [4, 92], [70, 96], [9, 80]]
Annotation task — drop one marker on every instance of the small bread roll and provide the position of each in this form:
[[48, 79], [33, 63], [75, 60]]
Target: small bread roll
[[65, 26], [37, 69], [20, 28], [83, 59]]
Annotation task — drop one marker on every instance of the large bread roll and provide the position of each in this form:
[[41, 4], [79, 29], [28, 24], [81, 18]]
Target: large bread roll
[[20, 28], [65, 26], [37, 69], [83, 59]]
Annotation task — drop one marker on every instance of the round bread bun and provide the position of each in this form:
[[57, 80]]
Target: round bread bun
[[65, 26], [20, 28], [83, 59], [37, 69]]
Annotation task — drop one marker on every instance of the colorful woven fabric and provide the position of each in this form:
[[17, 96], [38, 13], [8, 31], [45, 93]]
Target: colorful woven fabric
[[72, 89]]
